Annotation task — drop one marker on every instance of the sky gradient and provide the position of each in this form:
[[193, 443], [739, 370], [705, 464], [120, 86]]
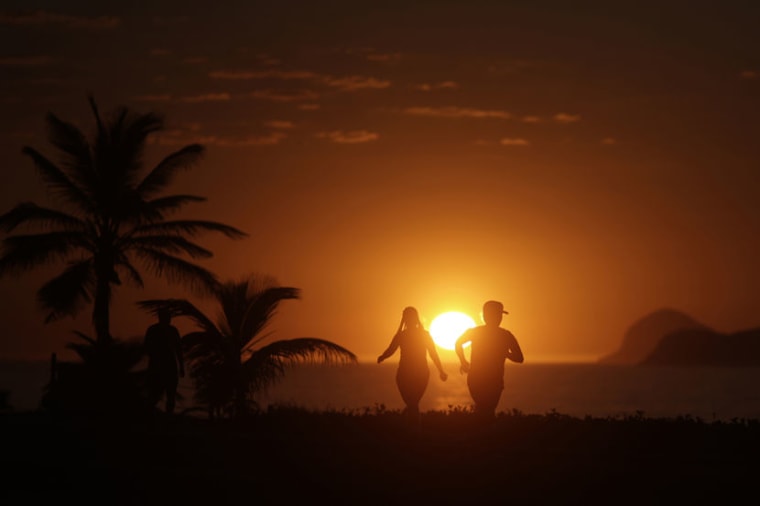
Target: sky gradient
[[585, 166]]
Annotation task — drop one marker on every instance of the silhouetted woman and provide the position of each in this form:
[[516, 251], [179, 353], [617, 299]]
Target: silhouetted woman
[[412, 375]]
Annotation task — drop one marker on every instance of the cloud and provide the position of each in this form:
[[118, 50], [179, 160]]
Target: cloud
[[609, 141], [43, 17], [208, 97], [749, 74], [279, 124], [531, 119], [183, 138], [456, 112], [384, 57], [163, 21], [443, 85], [309, 107], [261, 140], [507, 141], [353, 83], [153, 98], [349, 137], [268, 60], [25, 61], [567, 118], [514, 66], [263, 74], [349, 83], [285, 96], [372, 54]]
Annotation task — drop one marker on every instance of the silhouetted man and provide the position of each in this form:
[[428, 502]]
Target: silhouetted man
[[490, 346], [165, 360]]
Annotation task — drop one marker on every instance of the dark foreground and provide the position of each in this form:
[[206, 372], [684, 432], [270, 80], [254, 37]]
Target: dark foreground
[[289, 456]]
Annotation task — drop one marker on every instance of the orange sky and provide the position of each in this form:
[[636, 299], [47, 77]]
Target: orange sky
[[585, 167]]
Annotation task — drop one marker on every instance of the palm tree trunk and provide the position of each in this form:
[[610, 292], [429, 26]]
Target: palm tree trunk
[[101, 317], [241, 391]]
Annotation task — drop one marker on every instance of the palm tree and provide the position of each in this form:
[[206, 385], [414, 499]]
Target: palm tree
[[228, 360], [115, 217]]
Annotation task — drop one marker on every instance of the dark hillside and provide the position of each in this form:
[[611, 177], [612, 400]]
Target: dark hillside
[[644, 335]]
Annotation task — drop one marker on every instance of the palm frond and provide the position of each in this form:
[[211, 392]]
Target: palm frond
[[65, 294], [116, 356], [76, 149], [177, 308], [268, 364], [188, 227], [261, 308], [158, 178], [203, 346], [171, 244], [23, 252], [96, 114], [233, 300], [119, 147], [58, 181], [123, 264], [177, 270], [131, 140], [83, 336], [157, 209], [86, 350], [29, 213]]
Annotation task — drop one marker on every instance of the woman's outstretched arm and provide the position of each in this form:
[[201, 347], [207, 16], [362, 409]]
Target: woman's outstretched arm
[[390, 350], [433, 351]]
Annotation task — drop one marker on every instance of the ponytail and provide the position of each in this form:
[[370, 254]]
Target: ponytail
[[400, 325]]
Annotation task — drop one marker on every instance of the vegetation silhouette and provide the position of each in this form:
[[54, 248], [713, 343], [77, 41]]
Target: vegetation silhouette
[[490, 346], [106, 380], [292, 456], [412, 375], [114, 217], [227, 361], [166, 363]]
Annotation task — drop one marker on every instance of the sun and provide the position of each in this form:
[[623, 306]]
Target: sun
[[447, 327]]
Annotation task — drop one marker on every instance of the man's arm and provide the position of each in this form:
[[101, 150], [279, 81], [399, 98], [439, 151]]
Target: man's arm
[[459, 349], [514, 353]]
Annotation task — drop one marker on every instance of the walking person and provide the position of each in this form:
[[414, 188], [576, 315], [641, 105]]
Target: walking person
[[166, 362], [413, 373], [490, 347]]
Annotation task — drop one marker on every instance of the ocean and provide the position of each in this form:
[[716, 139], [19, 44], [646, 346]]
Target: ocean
[[585, 389]]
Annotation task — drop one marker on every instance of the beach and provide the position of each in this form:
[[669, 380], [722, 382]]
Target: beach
[[287, 456]]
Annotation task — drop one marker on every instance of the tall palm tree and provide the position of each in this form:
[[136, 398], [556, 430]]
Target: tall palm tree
[[232, 360], [114, 217]]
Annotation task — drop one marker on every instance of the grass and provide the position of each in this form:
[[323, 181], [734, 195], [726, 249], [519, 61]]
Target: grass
[[290, 455]]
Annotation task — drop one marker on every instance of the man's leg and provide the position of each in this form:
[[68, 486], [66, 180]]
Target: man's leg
[[171, 394]]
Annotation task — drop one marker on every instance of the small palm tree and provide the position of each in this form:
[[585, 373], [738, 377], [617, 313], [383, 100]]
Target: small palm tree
[[228, 360], [114, 218]]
